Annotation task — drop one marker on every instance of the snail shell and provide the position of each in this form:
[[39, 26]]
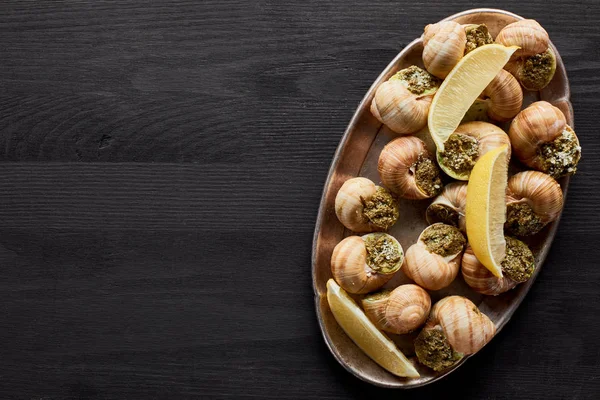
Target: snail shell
[[443, 47], [506, 96], [362, 206], [449, 206], [480, 279], [533, 200], [433, 261], [534, 72], [483, 137], [364, 264], [400, 311], [402, 103], [406, 168], [542, 140], [528, 34], [517, 266], [455, 328]]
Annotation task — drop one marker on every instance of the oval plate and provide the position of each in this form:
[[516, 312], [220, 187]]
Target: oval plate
[[357, 155]]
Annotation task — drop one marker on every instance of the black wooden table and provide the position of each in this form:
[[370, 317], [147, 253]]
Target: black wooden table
[[161, 169]]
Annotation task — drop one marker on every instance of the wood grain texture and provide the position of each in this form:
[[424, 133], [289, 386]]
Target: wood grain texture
[[161, 165]]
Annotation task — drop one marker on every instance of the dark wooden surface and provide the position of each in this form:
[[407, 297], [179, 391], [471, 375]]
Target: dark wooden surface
[[161, 169]]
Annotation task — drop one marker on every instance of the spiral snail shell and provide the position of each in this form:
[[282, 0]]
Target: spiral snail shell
[[528, 34], [443, 47], [449, 206], [455, 328], [362, 206], [467, 144], [406, 168], [364, 264], [399, 311], [433, 261], [542, 140], [517, 267], [533, 199], [505, 97], [402, 103], [534, 64]]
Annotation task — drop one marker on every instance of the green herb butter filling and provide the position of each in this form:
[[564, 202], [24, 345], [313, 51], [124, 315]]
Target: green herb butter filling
[[417, 80], [444, 240], [460, 153], [427, 176], [521, 220], [561, 156], [383, 254], [538, 70], [477, 36], [434, 350], [519, 262], [381, 209]]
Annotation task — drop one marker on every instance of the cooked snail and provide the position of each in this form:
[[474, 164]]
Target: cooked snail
[[406, 168], [402, 103], [449, 206], [399, 311], [505, 97], [533, 199], [469, 141], [542, 140], [443, 46], [455, 328], [534, 64], [528, 34], [477, 36], [363, 264], [362, 206], [534, 72], [434, 260], [518, 266]]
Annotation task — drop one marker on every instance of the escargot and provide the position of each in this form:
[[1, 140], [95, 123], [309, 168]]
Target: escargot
[[362, 206], [406, 168], [542, 140], [533, 199], [433, 261], [517, 267], [443, 46], [467, 144], [449, 206], [534, 64], [364, 264], [399, 311], [455, 328], [402, 103]]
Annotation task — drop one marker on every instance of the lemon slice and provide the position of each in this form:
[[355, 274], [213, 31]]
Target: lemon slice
[[461, 88], [486, 208], [366, 336]]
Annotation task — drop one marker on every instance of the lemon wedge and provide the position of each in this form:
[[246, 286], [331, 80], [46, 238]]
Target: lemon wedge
[[366, 336], [486, 208], [462, 87]]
